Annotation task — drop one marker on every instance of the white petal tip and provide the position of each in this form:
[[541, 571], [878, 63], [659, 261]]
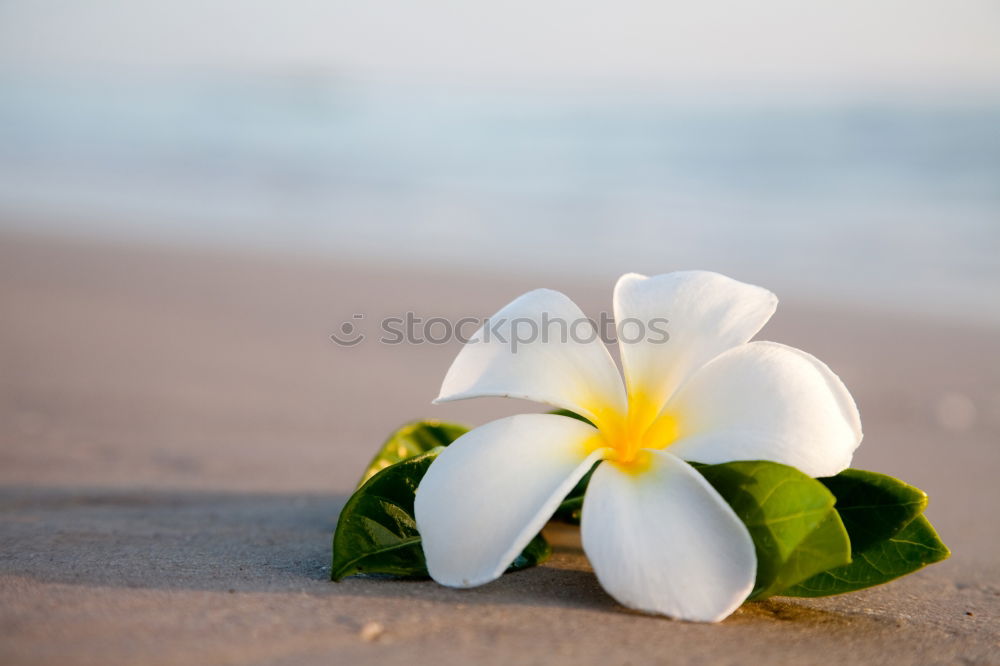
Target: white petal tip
[[465, 583], [449, 397]]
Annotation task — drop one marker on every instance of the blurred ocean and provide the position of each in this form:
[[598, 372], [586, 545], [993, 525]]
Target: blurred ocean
[[888, 204]]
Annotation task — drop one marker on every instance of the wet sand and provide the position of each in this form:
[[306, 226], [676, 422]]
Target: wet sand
[[179, 433]]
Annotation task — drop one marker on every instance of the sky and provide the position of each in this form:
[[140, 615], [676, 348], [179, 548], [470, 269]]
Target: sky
[[923, 45]]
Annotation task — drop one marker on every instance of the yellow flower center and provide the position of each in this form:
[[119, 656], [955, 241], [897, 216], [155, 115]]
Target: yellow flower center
[[642, 427]]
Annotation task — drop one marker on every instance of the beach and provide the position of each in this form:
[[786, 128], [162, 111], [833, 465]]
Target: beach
[[180, 432]]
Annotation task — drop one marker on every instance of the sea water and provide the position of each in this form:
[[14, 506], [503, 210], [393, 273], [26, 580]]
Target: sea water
[[883, 202]]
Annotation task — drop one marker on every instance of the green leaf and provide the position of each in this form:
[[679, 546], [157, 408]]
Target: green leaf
[[377, 533], [889, 537], [795, 529], [874, 506], [412, 440], [825, 547], [912, 548], [572, 415]]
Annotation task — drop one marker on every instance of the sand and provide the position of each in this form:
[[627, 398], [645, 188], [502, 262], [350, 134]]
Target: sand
[[179, 433]]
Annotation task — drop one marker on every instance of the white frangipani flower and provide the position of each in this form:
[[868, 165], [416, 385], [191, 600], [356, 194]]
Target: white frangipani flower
[[658, 536]]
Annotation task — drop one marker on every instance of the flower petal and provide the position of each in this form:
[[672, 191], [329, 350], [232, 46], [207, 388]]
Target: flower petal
[[767, 401], [493, 489], [539, 347], [662, 540], [703, 315]]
